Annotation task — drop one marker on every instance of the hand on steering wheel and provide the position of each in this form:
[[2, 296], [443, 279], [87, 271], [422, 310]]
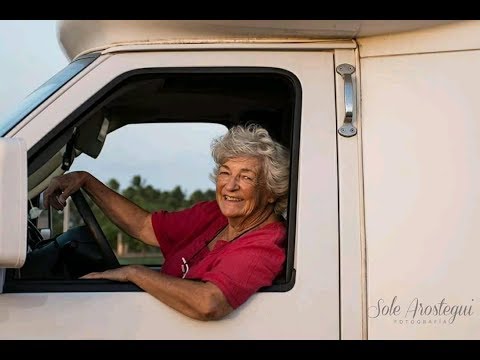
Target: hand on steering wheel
[[61, 187], [56, 195]]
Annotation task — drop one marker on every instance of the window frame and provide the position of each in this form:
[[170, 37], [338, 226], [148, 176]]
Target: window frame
[[46, 147]]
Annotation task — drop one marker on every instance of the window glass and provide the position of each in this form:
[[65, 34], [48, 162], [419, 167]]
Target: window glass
[[42, 93]]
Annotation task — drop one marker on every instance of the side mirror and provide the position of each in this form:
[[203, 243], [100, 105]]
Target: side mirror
[[13, 202]]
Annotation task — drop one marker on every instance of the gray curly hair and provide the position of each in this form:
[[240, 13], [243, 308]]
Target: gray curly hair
[[254, 141]]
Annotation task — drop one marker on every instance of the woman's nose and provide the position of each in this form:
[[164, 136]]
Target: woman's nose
[[232, 183]]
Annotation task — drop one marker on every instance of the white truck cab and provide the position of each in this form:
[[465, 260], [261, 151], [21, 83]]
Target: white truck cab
[[379, 118]]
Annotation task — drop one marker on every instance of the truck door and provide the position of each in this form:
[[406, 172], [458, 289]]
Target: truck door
[[291, 92]]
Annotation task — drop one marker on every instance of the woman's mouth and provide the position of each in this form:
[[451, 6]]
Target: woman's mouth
[[231, 198]]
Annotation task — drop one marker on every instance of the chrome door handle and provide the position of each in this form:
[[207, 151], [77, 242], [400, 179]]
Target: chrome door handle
[[346, 71]]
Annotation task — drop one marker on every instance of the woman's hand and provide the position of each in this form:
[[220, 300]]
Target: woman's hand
[[61, 187], [118, 274]]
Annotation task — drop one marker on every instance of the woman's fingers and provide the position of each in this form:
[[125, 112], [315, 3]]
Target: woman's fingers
[[60, 189], [118, 274], [52, 200], [93, 275], [52, 197], [67, 191], [55, 203]]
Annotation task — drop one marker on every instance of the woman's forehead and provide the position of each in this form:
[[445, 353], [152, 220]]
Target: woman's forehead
[[245, 162]]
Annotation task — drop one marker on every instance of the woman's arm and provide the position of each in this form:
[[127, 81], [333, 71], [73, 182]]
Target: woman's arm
[[129, 217], [196, 299]]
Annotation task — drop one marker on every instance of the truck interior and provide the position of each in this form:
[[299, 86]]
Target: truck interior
[[268, 97]]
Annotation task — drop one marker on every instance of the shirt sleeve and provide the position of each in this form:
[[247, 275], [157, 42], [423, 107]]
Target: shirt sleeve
[[245, 270], [171, 228]]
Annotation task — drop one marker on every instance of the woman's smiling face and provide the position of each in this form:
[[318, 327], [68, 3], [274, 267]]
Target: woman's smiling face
[[240, 193]]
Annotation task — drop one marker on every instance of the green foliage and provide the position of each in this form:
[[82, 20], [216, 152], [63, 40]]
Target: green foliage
[[143, 195], [113, 184]]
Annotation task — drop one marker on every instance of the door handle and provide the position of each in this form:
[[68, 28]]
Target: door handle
[[346, 71]]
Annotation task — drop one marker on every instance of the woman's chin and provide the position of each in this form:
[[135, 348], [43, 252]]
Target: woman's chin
[[231, 210]]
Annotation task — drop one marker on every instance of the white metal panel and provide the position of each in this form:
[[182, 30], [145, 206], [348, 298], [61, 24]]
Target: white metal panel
[[352, 304], [13, 202], [459, 35], [422, 199], [310, 310]]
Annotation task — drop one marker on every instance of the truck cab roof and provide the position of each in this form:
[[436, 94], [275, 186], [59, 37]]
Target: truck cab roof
[[78, 37]]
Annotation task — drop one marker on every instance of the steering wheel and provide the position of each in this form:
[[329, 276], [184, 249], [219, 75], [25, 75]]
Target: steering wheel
[[34, 236], [87, 215]]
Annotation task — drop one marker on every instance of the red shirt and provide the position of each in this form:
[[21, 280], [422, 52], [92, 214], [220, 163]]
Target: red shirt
[[239, 268]]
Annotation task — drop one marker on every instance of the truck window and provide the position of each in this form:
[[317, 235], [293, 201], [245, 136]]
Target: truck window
[[147, 136], [38, 96]]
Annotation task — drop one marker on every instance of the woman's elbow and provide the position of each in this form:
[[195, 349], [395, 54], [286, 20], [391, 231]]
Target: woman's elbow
[[214, 307], [211, 314], [145, 232]]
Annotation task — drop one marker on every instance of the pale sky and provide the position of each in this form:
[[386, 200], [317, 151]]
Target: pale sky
[[164, 155], [29, 55]]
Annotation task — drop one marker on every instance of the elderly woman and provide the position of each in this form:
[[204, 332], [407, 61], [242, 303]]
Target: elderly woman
[[217, 253]]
